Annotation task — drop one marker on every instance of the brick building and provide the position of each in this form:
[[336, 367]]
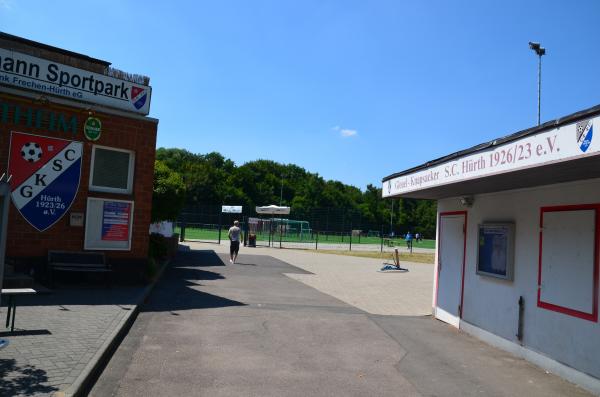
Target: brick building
[[79, 148]]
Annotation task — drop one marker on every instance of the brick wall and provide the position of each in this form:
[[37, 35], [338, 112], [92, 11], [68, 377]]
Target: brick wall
[[119, 132]]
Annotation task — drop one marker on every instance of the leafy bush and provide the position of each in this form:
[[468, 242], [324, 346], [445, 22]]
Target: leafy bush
[[158, 247], [151, 268], [168, 193]]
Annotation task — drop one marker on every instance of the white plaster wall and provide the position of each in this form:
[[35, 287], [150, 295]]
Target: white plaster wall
[[492, 304]]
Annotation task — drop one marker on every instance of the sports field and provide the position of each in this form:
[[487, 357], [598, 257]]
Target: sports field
[[209, 232]]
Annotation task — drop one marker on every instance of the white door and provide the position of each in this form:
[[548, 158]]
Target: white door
[[450, 268]]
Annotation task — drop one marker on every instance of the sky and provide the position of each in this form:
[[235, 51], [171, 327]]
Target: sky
[[351, 90]]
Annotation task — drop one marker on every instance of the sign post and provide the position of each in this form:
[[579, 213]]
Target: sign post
[[4, 200], [220, 223]]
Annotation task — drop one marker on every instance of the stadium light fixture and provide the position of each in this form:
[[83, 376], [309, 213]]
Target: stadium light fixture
[[540, 51]]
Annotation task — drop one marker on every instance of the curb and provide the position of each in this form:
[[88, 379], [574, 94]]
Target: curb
[[103, 355]]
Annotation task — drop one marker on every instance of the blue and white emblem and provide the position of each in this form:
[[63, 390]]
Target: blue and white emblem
[[584, 132], [45, 177]]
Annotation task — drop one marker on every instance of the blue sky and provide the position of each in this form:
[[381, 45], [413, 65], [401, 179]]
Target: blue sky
[[352, 90]]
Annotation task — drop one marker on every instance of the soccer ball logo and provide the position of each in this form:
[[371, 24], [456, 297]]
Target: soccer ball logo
[[580, 131], [31, 152]]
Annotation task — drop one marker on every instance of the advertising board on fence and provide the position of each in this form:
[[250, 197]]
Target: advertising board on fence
[[25, 71], [558, 144], [231, 209]]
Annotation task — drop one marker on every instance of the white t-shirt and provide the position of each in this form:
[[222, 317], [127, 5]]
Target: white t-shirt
[[234, 233]]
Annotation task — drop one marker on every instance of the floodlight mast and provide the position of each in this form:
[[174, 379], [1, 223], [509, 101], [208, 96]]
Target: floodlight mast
[[281, 192], [540, 51]]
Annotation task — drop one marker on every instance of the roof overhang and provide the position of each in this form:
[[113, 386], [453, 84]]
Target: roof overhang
[[559, 151]]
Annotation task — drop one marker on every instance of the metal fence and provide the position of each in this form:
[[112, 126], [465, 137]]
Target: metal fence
[[331, 229]]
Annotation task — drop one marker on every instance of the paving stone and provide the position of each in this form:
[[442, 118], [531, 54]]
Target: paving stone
[[78, 322]]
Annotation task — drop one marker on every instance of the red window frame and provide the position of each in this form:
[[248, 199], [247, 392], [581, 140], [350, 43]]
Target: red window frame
[[561, 309]]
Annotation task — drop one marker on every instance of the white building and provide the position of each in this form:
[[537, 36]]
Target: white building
[[517, 261]]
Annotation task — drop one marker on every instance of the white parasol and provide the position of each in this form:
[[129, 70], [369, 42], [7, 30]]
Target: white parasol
[[273, 210]]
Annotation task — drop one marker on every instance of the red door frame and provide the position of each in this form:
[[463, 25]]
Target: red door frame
[[437, 271]]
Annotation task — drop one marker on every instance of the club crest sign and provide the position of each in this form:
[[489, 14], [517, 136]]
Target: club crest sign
[[584, 132], [45, 177], [138, 96]]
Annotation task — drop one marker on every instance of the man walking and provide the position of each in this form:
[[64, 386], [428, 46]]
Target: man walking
[[234, 237]]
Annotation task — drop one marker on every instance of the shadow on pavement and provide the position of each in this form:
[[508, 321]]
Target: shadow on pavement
[[198, 258], [19, 332], [23, 380], [176, 291]]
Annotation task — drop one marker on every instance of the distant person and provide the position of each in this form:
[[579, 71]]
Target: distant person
[[417, 237], [409, 239], [234, 237]]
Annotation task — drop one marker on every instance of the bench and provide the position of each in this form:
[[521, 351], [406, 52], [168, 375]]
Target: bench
[[67, 261], [12, 294]]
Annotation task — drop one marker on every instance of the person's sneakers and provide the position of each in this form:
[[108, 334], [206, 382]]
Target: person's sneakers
[[231, 261]]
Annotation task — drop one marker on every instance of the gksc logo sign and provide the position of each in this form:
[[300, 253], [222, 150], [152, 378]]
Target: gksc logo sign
[[584, 132], [138, 96], [45, 177]]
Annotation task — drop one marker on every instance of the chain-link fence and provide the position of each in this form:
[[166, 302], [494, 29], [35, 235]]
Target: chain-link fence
[[331, 229]]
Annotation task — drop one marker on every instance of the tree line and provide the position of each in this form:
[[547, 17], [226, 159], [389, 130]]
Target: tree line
[[185, 179]]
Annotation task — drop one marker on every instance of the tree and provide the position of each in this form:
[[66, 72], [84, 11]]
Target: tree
[[168, 195], [212, 180]]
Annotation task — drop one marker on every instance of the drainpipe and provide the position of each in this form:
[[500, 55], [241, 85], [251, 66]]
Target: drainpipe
[[521, 318]]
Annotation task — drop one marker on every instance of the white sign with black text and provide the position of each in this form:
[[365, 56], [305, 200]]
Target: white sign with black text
[[28, 72], [231, 209], [558, 144]]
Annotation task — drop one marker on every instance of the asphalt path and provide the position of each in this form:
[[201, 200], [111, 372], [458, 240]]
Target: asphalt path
[[211, 328]]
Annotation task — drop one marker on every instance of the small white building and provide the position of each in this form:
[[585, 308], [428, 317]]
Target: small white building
[[518, 231]]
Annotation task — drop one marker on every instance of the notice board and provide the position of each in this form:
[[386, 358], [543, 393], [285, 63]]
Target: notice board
[[495, 256], [108, 224]]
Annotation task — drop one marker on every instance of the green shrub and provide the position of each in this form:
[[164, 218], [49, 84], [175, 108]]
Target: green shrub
[[151, 268], [168, 193], [158, 247]]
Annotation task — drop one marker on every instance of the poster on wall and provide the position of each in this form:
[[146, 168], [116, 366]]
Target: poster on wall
[[116, 216], [45, 174], [108, 224]]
